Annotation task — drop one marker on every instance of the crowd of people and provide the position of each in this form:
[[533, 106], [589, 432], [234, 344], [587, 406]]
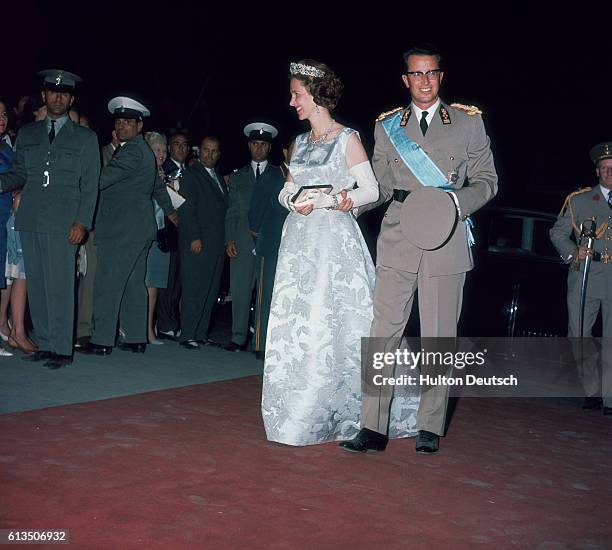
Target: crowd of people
[[152, 229]]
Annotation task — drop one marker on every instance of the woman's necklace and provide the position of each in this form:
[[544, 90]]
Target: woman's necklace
[[323, 137]]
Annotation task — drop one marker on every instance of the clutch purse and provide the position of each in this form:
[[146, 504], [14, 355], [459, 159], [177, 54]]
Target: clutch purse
[[302, 194]]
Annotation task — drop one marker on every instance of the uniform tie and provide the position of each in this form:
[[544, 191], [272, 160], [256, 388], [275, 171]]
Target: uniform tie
[[257, 172], [610, 198], [423, 122], [52, 131]]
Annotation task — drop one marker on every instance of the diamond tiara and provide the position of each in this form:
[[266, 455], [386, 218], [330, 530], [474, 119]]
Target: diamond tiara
[[306, 70]]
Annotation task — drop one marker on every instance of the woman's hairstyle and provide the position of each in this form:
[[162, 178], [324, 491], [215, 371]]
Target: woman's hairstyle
[[322, 83], [155, 137]]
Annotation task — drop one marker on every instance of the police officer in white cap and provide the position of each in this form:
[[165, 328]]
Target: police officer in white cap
[[57, 163], [249, 191], [125, 227]]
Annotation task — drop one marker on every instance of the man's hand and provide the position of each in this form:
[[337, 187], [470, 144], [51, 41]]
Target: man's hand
[[231, 249], [173, 217], [345, 204], [76, 233], [196, 246], [583, 252]]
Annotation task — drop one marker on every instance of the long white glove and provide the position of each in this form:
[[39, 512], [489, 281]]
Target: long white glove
[[368, 186], [284, 197]]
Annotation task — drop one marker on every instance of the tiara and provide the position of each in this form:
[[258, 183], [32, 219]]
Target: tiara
[[306, 70]]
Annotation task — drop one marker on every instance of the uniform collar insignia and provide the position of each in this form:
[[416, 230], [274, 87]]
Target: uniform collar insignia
[[406, 116], [444, 115]]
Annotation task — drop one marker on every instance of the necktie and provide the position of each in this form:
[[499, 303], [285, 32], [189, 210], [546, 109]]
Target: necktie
[[610, 199], [52, 132], [423, 122], [213, 175], [257, 172]]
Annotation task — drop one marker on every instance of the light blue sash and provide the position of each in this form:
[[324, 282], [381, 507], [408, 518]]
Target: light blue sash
[[419, 163]]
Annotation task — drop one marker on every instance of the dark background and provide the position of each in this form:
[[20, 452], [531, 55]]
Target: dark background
[[540, 75]]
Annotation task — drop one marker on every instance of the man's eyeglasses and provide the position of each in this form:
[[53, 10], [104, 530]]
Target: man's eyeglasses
[[433, 73]]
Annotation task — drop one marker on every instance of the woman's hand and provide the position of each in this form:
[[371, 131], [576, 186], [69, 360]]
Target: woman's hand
[[304, 210], [346, 203]]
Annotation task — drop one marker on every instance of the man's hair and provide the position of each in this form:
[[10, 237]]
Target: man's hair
[[211, 138], [423, 49], [176, 134]]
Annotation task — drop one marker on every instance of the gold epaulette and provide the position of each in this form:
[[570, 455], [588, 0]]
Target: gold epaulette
[[567, 203], [384, 115], [468, 109]]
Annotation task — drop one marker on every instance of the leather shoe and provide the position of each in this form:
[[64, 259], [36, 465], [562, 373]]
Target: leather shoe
[[95, 349], [170, 335], [607, 411], [58, 361], [210, 342], [427, 442], [365, 440], [190, 344], [232, 346], [134, 348], [592, 403], [38, 356]]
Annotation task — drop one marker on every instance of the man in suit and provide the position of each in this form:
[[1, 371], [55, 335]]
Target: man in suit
[[201, 243], [244, 202], [450, 143], [579, 207], [168, 324], [125, 227], [57, 163]]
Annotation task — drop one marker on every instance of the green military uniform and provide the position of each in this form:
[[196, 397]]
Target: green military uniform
[[125, 227], [60, 186], [579, 207]]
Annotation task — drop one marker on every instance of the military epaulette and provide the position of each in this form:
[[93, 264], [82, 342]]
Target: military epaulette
[[567, 203], [467, 109], [384, 115]]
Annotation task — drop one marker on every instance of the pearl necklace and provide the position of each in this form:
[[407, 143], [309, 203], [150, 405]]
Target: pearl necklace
[[323, 136]]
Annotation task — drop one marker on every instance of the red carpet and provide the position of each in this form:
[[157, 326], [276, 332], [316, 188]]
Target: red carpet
[[191, 468]]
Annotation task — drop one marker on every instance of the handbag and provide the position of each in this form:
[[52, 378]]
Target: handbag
[[167, 237]]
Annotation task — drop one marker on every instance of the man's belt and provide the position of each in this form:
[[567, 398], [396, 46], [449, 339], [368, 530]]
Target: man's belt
[[400, 195]]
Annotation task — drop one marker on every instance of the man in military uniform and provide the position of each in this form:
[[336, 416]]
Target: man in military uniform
[[580, 207], [248, 198], [424, 150], [125, 227], [57, 163]]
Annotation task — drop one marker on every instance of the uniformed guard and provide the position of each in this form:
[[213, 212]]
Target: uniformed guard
[[423, 156], [250, 190], [579, 209], [57, 162], [125, 227]]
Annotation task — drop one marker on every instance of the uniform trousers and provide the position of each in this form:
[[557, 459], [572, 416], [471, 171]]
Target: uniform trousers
[[168, 298], [242, 280], [86, 289], [120, 293], [50, 262], [440, 300]]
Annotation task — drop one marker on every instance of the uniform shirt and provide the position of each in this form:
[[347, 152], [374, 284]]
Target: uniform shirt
[[59, 123], [431, 111], [605, 192], [262, 167]]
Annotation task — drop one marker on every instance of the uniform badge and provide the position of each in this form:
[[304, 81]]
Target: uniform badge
[[58, 79], [453, 175], [444, 115], [405, 117]]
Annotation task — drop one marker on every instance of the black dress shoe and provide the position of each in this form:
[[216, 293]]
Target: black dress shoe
[[37, 356], [190, 344], [592, 403], [427, 442], [95, 349], [210, 342], [366, 440], [607, 411], [58, 361], [170, 335], [134, 348], [82, 341], [232, 346]]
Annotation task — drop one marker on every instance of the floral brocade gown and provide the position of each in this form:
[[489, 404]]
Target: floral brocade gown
[[321, 308]]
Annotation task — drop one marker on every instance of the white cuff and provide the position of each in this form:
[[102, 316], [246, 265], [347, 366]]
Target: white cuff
[[367, 191]]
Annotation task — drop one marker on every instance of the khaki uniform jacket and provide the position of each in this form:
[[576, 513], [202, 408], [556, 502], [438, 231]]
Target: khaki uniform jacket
[[73, 164], [460, 145]]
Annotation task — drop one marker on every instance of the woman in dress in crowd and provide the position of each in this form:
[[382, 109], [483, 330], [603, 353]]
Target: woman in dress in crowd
[[158, 262], [322, 299]]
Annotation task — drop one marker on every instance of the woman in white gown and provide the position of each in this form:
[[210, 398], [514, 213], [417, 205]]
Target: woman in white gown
[[322, 298]]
